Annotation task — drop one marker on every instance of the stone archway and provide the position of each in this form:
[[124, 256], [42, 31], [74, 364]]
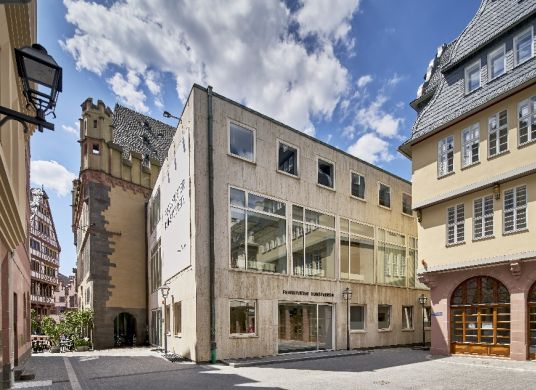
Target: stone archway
[[124, 330]]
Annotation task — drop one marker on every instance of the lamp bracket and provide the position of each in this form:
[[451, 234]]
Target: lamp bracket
[[23, 119]]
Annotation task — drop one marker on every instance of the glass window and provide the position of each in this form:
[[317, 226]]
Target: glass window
[[412, 264], [391, 258], [167, 319], [156, 267], [455, 224], [498, 133], [319, 218], [445, 156], [470, 145], [358, 185], [496, 63], [384, 317], [406, 204], [527, 120], [261, 203], [154, 213], [483, 217], [523, 47], [242, 317], [95, 149], [238, 197], [238, 238], [427, 316], [287, 159], [472, 77], [357, 317], [407, 317], [515, 209], [384, 195], [357, 252], [177, 318], [361, 229], [326, 173], [241, 142]]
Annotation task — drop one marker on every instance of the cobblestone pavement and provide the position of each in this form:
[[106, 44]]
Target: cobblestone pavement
[[398, 368]]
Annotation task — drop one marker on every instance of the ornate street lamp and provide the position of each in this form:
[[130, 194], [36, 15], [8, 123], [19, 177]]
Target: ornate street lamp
[[165, 292], [347, 296], [422, 300], [38, 69]]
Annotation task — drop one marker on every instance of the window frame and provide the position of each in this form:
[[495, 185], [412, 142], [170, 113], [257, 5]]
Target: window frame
[[412, 317], [244, 126], [497, 131], [254, 334], [516, 39], [501, 48], [455, 225], [470, 129], [334, 178], [348, 233], [411, 203], [483, 217], [467, 71], [278, 143], [390, 312], [390, 195], [364, 307], [440, 155], [515, 210], [528, 118], [352, 172], [179, 305]]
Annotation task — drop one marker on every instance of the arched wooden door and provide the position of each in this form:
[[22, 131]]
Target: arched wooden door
[[480, 317], [531, 310]]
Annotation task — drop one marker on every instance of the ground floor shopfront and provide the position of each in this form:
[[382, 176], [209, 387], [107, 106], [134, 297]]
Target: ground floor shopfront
[[488, 310]]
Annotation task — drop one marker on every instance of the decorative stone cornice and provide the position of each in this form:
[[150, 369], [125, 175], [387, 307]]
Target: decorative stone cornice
[[104, 178]]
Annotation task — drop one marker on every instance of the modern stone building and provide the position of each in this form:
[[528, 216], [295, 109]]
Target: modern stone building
[[121, 154], [257, 229], [474, 185], [44, 253]]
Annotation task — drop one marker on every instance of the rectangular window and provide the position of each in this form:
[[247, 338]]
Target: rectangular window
[[357, 251], [427, 317], [357, 317], [241, 142], [94, 123], [470, 145], [242, 317], [384, 317], [483, 217], [407, 317], [498, 133], [445, 156], [406, 204], [95, 149], [287, 159], [472, 77], [358, 185], [527, 120], [455, 224], [154, 212], [496, 63], [515, 209], [326, 173], [156, 267], [167, 319], [391, 258], [523, 47], [384, 195], [177, 318]]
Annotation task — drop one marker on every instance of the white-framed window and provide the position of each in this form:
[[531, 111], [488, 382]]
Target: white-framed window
[[241, 141], [287, 158], [177, 318], [445, 156], [455, 224], [384, 317], [356, 253], [167, 319], [326, 173], [358, 185], [358, 317], [406, 204], [407, 317], [483, 217], [526, 114], [470, 145], [242, 317], [427, 316], [391, 258], [496, 63], [498, 133], [523, 46], [384, 195], [472, 77], [515, 209]]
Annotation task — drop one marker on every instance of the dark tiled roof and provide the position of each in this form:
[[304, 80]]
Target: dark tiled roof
[[139, 133]]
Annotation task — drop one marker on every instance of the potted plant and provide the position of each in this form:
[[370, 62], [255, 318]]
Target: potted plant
[[82, 344]]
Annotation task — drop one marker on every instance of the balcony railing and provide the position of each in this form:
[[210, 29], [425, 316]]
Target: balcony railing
[[45, 278], [40, 299]]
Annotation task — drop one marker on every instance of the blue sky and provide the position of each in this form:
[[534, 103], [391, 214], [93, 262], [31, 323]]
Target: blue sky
[[342, 70]]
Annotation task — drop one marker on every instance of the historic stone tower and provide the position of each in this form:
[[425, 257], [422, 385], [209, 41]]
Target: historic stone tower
[[121, 155]]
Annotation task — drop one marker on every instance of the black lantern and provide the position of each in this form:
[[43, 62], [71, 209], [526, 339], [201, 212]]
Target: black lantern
[[165, 293], [422, 300], [347, 296]]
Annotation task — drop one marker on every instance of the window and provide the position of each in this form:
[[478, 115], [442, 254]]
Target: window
[[384, 195], [326, 173], [427, 316], [483, 217], [258, 232], [523, 47], [498, 133], [455, 224], [527, 120], [515, 209], [391, 258], [94, 123], [445, 156], [313, 243], [357, 317], [242, 317], [406, 204], [177, 318], [167, 319], [287, 159], [470, 145], [358, 185], [472, 77], [496, 63], [384, 317], [241, 142], [95, 149], [154, 212], [156, 267], [407, 317], [357, 251]]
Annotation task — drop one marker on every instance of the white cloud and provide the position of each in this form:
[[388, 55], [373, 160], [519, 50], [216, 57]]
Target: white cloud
[[375, 118], [371, 148], [51, 175], [364, 80], [394, 80], [75, 130], [348, 132], [243, 48]]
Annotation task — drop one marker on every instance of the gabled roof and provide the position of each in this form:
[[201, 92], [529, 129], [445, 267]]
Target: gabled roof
[[38, 196], [139, 133]]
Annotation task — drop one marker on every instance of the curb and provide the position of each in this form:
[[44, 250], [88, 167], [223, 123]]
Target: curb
[[304, 357]]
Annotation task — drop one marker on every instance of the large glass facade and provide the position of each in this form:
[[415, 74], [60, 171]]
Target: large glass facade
[[391, 258], [357, 251]]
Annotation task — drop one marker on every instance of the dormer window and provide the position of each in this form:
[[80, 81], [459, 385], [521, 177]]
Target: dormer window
[[496, 63], [523, 46], [472, 77]]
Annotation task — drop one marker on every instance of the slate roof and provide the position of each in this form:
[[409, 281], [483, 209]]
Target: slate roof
[[139, 133], [444, 100]]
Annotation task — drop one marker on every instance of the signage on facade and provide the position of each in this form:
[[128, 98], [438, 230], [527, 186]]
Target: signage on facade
[[437, 314], [308, 293]]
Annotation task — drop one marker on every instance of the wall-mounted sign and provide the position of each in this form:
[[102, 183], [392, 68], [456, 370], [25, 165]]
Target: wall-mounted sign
[[308, 293], [437, 314]]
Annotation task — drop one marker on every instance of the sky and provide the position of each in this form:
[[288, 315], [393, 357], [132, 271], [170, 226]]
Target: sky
[[343, 71]]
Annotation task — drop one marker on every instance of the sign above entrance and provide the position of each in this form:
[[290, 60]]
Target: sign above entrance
[[307, 293]]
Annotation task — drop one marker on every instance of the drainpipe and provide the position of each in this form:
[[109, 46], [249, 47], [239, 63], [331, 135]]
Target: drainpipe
[[212, 257]]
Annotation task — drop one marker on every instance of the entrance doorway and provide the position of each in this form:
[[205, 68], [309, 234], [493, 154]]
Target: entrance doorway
[[156, 327], [124, 330], [531, 302], [305, 327], [480, 318]]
